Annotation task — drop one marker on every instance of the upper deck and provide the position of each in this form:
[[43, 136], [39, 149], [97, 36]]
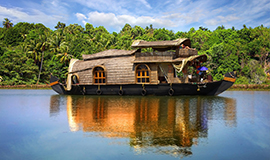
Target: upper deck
[[163, 51]]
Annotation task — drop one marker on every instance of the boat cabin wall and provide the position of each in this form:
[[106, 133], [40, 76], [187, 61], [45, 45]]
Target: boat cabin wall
[[112, 73], [119, 70], [179, 52], [116, 70], [123, 70], [167, 74]]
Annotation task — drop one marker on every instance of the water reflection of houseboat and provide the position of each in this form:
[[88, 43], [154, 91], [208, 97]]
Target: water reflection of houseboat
[[167, 69], [151, 123]]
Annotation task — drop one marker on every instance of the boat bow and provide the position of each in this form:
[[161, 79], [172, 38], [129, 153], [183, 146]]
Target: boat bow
[[56, 85]]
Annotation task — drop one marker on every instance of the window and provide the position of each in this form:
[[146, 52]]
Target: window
[[75, 79], [99, 75], [142, 74]]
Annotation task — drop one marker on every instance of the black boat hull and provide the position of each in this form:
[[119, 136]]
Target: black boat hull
[[162, 89]]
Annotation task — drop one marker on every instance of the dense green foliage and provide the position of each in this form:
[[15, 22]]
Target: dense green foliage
[[27, 50]]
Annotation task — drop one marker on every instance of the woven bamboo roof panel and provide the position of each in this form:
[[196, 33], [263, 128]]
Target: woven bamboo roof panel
[[161, 44], [119, 69], [108, 54], [118, 62], [201, 58]]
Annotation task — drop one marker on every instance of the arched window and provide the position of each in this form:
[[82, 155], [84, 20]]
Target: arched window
[[142, 74], [99, 75], [75, 79]]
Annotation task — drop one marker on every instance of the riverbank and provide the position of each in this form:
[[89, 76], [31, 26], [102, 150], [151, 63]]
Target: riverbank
[[41, 86], [234, 87], [250, 87]]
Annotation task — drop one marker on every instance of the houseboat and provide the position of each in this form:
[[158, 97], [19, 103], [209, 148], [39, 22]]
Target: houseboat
[[152, 68]]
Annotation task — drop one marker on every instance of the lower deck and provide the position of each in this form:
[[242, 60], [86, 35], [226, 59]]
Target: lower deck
[[212, 88]]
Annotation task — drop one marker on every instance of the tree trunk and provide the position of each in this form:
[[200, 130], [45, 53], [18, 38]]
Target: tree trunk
[[40, 67]]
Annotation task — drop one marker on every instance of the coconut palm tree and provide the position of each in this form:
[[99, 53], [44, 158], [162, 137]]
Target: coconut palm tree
[[33, 50], [7, 23], [60, 25], [56, 42], [64, 55], [36, 49], [44, 46]]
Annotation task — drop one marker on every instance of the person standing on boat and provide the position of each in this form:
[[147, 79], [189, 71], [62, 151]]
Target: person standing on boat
[[184, 47]]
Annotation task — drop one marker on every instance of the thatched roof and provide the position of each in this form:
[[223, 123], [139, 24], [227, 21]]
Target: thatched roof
[[161, 44], [117, 61], [108, 54], [201, 58], [119, 70]]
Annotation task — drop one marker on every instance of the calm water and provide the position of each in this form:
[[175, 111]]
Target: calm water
[[38, 124]]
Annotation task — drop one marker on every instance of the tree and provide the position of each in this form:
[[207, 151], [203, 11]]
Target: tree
[[126, 29], [137, 31], [7, 23], [163, 34], [245, 51], [203, 29], [44, 46], [260, 44], [220, 27], [199, 39], [64, 57], [56, 41], [89, 29], [41, 27], [37, 44], [12, 37], [16, 68], [149, 30], [73, 29], [23, 28], [34, 50], [60, 25]]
